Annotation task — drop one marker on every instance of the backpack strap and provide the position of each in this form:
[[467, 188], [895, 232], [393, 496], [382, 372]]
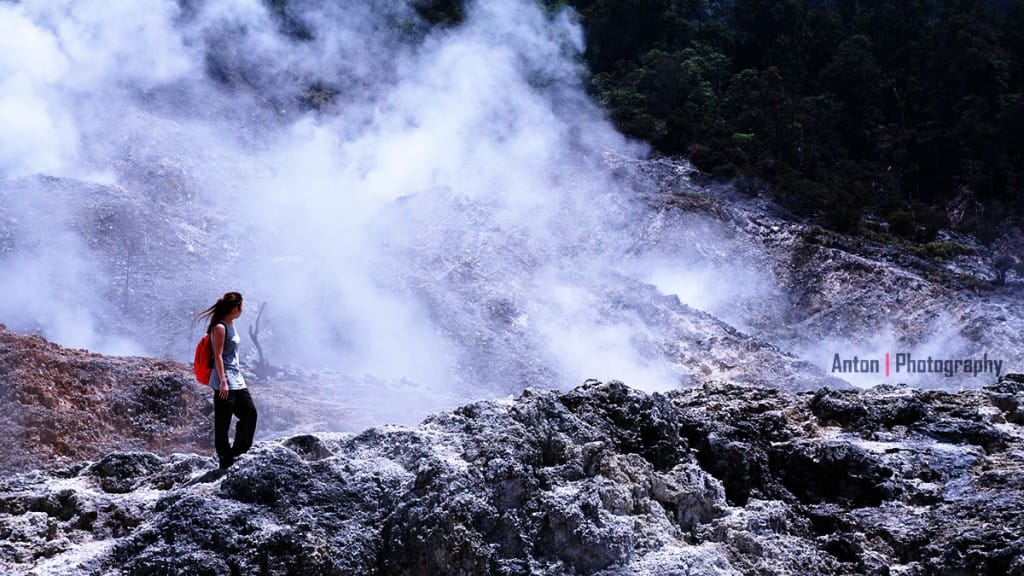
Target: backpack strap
[[209, 333]]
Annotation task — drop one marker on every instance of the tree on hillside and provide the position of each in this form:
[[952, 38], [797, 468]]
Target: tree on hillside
[[843, 106]]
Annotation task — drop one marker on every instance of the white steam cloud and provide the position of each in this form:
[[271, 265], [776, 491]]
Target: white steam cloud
[[430, 207], [415, 204]]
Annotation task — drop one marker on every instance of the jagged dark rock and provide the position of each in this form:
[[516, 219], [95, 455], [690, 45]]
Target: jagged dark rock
[[602, 479], [821, 289]]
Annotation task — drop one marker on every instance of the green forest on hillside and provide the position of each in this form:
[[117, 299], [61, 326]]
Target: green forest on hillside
[[899, 109], [908, 111]]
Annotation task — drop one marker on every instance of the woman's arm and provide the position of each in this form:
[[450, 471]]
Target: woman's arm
[[219, 333]]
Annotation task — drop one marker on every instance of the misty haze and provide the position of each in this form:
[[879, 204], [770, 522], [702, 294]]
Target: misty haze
[[531, 287], [441, 211]]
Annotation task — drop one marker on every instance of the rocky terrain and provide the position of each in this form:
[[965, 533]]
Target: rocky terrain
[[440, 222], [603, 480], [812, 292], [152, 270], [768, 465], [764, 299], [63, 405]]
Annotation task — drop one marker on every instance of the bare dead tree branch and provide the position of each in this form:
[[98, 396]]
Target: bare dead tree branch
[[262, 366]]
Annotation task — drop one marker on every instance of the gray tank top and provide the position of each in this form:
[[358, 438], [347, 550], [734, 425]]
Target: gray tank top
[[232, 367]]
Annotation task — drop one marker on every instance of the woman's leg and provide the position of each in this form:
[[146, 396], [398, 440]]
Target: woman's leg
[[245, 429], [222, 410]]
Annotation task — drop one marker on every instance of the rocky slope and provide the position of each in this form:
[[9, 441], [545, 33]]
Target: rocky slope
[[604, 480], [124, 259], [814, 293], [156, 257], [764, 299], [65, 405], [60, 405]]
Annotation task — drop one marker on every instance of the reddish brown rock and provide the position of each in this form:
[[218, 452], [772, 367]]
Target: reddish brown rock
[[61, 405]]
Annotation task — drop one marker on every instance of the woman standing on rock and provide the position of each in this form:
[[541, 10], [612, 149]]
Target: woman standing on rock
[[230, 396]]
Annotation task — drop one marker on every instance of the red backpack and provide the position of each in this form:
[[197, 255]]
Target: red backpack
[[202, 362]]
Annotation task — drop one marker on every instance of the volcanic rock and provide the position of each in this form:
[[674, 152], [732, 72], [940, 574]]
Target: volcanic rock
[[64, 405], [602, 479], [60, 405]]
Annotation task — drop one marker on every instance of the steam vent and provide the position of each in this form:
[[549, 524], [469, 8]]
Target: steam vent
[[511, 288]]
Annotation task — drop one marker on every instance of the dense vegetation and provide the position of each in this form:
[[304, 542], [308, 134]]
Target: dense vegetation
[[911, 110]]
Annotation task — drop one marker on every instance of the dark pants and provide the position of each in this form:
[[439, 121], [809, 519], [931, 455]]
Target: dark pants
[[239, 403]]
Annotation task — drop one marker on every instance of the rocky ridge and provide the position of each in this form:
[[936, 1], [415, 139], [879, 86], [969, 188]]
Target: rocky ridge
[[776, 296], [155, 263], [603, 479], [129, 255], [820, 292], [60, 405]]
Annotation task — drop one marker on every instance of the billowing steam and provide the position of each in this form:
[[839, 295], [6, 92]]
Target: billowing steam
[[414, 203], [430, 206]]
